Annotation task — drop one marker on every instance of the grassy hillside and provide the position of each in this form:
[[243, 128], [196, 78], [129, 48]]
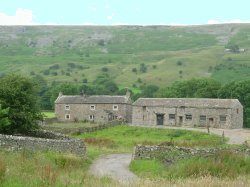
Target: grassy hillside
[[75, 53]]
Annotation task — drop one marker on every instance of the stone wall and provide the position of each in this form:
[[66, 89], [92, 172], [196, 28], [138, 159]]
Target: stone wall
[[81, 130], [61, 144], [175, 153]]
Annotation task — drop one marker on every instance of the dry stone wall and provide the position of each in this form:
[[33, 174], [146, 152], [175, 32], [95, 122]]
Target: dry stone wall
[[176, 153], [81, 130], [61, 144]]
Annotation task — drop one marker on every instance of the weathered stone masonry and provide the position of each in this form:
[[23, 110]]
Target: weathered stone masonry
[[61, 144], [153, 152]]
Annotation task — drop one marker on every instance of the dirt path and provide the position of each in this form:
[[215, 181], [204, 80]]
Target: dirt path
[[115, 166]]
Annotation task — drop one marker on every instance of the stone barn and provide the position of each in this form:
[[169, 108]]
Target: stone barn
[[217, 113], [98, 108]]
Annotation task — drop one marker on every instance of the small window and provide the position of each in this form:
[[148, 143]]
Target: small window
[[171, 116], [91, 117], [203, 118], [223, 118], [143, 108], [188, 117], [237, 110], [67, 116], [67, 107], [92, 107], [115, 107]]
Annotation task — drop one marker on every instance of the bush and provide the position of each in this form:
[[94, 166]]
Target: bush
[[105, 69]]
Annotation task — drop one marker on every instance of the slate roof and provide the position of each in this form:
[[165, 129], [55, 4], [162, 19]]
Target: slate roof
[[95, 99], [187, 102]]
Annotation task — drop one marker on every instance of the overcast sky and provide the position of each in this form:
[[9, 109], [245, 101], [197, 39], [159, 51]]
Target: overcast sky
[[119, 12]]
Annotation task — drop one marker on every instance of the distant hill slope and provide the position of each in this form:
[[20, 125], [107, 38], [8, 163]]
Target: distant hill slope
[[169, 53]]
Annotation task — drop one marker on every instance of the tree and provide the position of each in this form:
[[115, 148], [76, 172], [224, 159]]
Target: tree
[[149, 91], [239, 90], [19, 94], [143, 68], [233, 47], [4, 119], [65, 88]]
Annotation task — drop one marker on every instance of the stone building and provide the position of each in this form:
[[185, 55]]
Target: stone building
[[98, 108], [218, 113]]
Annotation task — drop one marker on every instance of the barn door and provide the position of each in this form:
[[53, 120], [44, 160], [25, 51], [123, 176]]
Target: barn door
[[159, 119]]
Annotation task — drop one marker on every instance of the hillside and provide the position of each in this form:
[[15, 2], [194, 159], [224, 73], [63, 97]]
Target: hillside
[[170, 53]]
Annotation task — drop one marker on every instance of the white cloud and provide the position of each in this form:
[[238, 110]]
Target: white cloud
[[22, 17], [107, 6], [220, 21], [137, 9], [110, 17]]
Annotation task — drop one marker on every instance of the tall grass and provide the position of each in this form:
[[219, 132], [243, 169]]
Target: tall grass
[[224, 164]]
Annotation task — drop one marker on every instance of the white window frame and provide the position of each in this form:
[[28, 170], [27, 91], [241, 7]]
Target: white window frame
[[67, 118], [115, 107], [91, 116], [92, 107], [67, 107]]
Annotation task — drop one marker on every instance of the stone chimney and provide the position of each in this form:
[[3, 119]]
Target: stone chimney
[[60, 94], [128, 93]]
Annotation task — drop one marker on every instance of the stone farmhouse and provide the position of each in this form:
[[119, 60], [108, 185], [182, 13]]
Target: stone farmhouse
[[98, 108], [217, 113], [195, 112]]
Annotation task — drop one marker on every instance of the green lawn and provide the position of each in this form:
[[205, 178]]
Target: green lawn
[[123, 138], [48, 114]]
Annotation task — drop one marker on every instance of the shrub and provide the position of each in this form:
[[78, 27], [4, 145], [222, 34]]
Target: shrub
[[105, 69], [179, 63], [134, 70]]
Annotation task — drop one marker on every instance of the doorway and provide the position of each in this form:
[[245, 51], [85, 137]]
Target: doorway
[[180, 120], [159, 119]]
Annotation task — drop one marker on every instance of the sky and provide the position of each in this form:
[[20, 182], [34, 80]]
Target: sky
[[123, 12]]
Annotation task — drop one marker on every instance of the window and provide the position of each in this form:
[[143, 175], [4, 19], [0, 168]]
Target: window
[[143, 108], [223, 118], [188, 117], [67, 116], [91, 117], [67, 107], [203, 118], [237, 110], [92, 107], [115, 107], [171, 116]]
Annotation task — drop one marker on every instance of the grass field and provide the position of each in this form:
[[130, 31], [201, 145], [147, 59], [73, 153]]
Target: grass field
[[26, 168], [72, 54], [123, 138], [31, 169], [223, 165]]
